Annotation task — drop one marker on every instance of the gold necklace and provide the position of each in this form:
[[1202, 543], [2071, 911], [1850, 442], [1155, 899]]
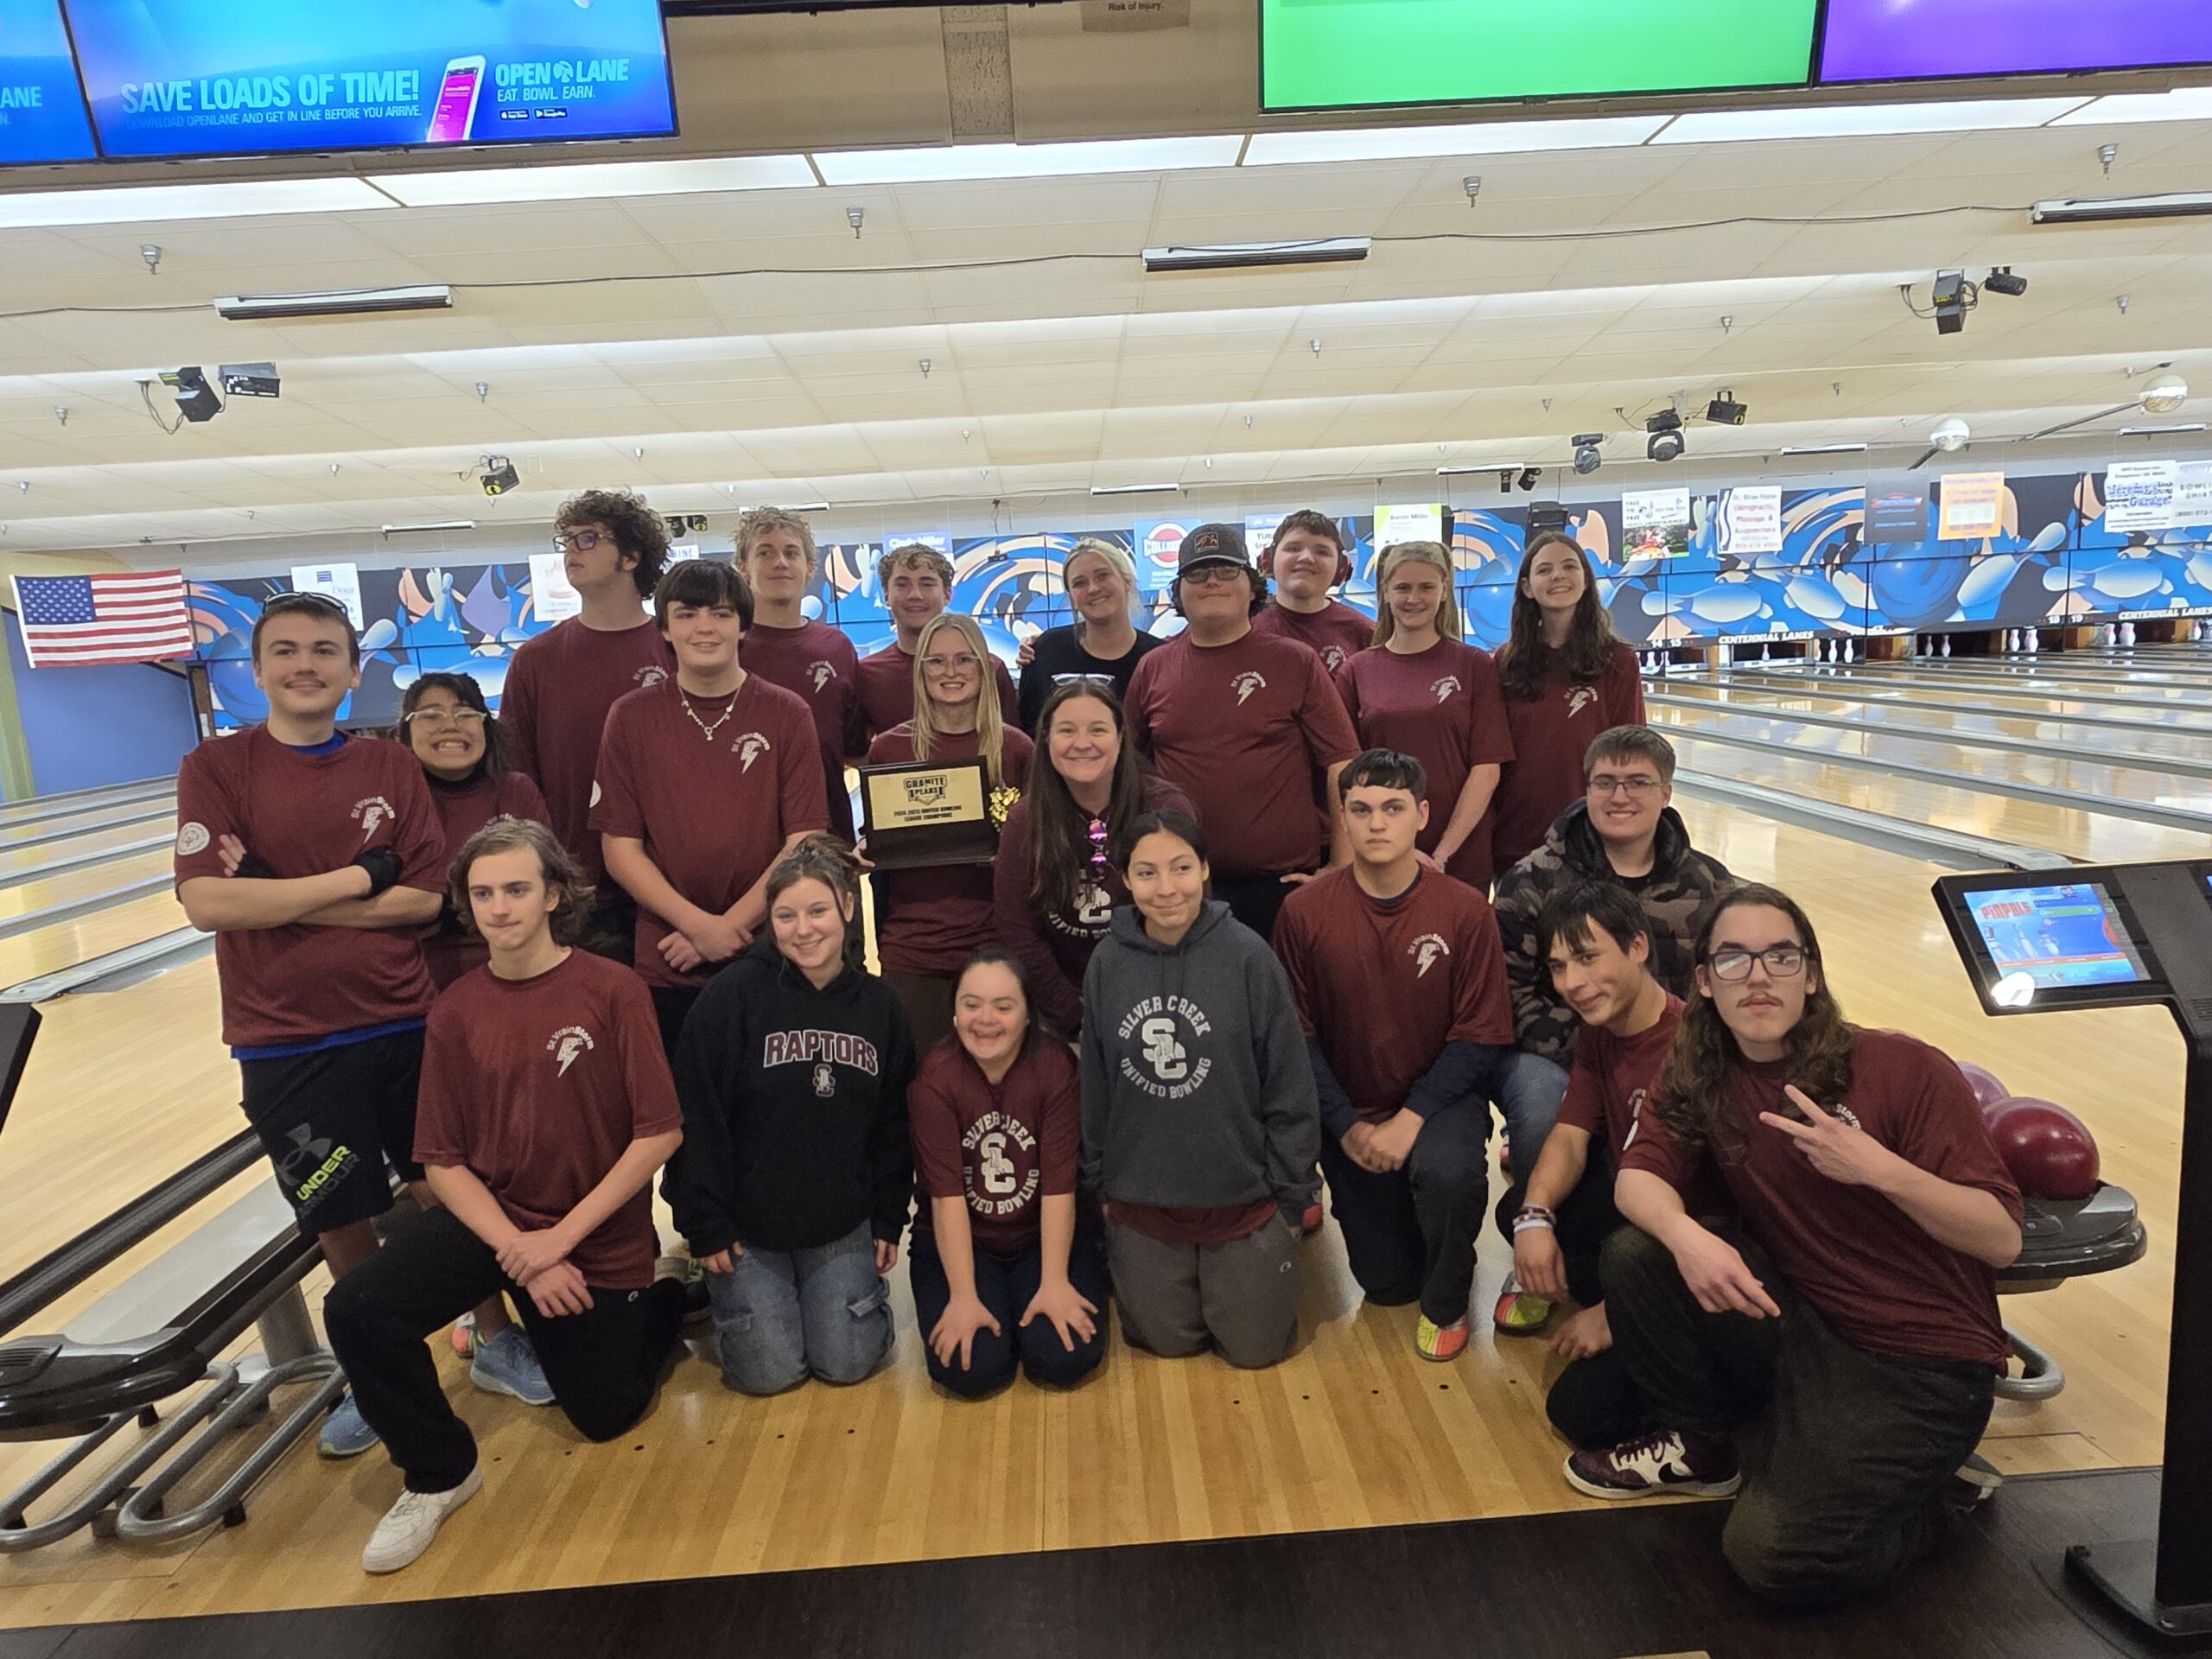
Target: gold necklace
[[721, 720]]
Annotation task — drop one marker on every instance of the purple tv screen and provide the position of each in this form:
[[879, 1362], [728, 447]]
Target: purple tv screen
[[1924, 40]]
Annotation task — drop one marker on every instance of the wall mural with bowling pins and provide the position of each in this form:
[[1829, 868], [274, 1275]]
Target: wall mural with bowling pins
[[1817, 574]]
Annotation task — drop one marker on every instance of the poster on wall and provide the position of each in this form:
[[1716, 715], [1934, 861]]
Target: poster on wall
[[552, 598], [1896, 517], [1260, 530], [1157, 542], [2139, 495], [1656, 523], [340, 582], [1749, 521], [679, 552], [179, 78], [1408, 524], [1973, 506]]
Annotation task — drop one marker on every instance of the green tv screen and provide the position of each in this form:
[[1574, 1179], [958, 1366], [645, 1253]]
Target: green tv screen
[[1330, 54]]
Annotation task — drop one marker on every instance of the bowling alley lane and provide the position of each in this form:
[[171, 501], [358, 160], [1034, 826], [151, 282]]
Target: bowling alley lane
[[1969, 683], [92, 841], [2101, 837], [147, 816]]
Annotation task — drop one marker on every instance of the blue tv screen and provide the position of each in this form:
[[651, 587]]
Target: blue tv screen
[[42, 111], [172, 77], [1929, 40]]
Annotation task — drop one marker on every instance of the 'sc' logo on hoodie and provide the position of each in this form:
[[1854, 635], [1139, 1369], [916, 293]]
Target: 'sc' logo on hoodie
[[1162, 1052]]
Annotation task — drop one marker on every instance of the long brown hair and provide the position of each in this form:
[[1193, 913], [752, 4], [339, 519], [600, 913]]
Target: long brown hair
[[1059, 830], [990, 725], [1693, 1100], [1525, 661]]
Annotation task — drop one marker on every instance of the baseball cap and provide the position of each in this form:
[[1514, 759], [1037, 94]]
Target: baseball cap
[[1212, 544]]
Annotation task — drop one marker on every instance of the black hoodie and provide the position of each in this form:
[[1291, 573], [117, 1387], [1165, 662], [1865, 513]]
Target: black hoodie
[[794, 1109]]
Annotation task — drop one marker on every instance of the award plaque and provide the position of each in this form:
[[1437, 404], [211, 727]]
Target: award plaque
[[926, 813]]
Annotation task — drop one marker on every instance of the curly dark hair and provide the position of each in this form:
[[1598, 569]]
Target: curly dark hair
[[1692, 1101], [638, 530], [1526, 661]]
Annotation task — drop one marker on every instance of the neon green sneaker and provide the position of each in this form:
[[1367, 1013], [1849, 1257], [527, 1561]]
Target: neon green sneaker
[[1519, 1312], [1441, 1342]]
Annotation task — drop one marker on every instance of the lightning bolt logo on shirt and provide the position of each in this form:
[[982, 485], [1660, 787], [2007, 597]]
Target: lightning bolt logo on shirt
[[369, 813], [821, 673], [749, 748], [1579, 697], [1425, 950], [1246, 683], [1444, 687], [566, 1044], [1332, 658]]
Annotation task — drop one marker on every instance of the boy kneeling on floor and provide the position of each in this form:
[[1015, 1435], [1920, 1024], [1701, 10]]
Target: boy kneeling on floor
[[546, 1107]]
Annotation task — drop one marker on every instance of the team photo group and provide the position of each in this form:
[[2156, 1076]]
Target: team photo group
[[1295, 907]]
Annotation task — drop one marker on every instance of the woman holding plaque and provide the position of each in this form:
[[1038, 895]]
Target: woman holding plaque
[[1055, 885], [930, 920]]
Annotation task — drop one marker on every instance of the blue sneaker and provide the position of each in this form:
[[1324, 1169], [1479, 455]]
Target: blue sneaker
[[508, 1364], [345, 1432]]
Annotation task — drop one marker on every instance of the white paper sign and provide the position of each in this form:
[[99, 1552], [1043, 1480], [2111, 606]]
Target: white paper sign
[[1654, 523], [1750, 520], [1415, 523], [340, 582], [2139, 495], [679, 552], [2192, 492], [550, 597]]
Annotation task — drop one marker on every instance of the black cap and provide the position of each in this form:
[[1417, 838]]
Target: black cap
[[1213, 545]]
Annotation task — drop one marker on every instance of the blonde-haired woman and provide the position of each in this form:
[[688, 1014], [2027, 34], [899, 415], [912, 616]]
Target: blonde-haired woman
[[1104, 642], [1421, 692], [930, 921]]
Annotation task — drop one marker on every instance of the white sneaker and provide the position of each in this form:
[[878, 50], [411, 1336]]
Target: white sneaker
[[410, 1525]]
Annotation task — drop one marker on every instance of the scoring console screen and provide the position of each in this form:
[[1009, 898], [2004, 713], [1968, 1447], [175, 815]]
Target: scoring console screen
[[2058, 936]]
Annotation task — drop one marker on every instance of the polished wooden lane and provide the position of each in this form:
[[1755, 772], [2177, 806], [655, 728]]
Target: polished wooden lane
[[70, 885], [1895, 711], [1353, 1430], [47, 949]]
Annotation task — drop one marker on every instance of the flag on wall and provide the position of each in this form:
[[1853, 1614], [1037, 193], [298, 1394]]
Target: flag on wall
[[135, 616]]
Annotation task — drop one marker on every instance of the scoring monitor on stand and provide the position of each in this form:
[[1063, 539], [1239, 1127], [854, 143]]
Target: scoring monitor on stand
[[2111, 936]]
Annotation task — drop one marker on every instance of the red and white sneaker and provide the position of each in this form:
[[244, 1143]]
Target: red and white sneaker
[[1672, 1462]]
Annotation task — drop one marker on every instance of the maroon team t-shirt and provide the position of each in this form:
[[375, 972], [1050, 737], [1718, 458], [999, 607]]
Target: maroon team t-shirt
[[1386, 985], [818, 664], [886, 683], [1551, 735], [1612, 1077], [560, 686], [712, 814], [1055, 944], [1884, 1284], [930, 920], [450, 950], [1003, 1146], [537, 1086], [1246, 730], [1443, 707], [304, 814], [1336, 634]]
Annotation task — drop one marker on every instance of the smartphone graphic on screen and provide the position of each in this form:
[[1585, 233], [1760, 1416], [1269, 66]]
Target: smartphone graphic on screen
[[456, 109]]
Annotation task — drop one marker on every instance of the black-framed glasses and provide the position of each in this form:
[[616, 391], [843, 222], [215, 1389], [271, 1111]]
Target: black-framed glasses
[[1215, 575], [1781, 962], [426, 718], [1634, 788], [578, 541]]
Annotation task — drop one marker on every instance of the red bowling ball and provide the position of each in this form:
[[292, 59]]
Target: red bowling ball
[[2050, 1151], [1987, 1087]]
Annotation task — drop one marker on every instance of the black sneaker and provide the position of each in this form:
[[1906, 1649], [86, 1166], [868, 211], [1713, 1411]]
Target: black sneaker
[[1676, 1461]]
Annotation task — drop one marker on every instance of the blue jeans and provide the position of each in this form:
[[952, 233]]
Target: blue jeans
[[781, 1316], [1529, 1089]]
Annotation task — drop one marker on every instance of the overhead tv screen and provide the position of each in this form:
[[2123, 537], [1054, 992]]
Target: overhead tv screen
[[1327, 55], [42, 111], [170, 78], [1929, 40]]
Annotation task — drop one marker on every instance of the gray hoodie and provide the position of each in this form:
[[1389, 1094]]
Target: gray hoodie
[[1197, 1092]]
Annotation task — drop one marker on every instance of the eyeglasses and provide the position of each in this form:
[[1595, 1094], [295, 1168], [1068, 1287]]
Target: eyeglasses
[[1634, 788], [1781, 962], [464, 718], [964, 663], [580, 541], [1214, 575]]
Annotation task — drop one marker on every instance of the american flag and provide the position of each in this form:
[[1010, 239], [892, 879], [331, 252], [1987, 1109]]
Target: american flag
[[129, 616]]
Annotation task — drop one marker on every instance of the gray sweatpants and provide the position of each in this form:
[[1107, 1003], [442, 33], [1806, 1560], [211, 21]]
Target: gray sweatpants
[[1240, 1297]]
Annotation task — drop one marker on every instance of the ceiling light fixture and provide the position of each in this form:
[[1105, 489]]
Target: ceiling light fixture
[[1241, 256], [1824, 449], [338, 302], [1528, 479], [953, 163], [1865, 120], [2104, 210], [1481, 138], [1665, 442], [2162, 431], [425, 529], [1725, 410], [2165, 394], [1134, 489], [2002, 281], [466, 187]]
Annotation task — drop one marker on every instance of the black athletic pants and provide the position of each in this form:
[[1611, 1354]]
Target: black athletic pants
[[1007, 1285], [1845, 1475], [1410, 1234], [604, 1364], [1254, 900]]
